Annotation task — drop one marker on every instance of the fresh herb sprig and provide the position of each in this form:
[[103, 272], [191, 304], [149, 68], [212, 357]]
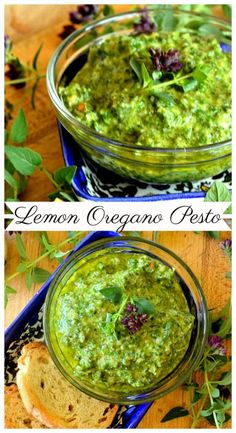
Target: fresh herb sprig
[[132, 312], [20, 161], [30, 268], [154, 82], [210, 385]]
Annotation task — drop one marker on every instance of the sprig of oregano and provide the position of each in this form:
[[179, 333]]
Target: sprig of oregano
[[29, 267], [210, 385], [116, 295], [153, 82], [21, 162]]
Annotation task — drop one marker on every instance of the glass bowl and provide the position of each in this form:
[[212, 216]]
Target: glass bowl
[[191, 290], [150, 165]]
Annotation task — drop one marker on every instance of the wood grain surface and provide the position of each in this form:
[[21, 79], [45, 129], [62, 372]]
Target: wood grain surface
[[201, 253]]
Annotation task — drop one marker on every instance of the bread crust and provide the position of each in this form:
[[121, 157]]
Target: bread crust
[[15, 413], [51, 399]]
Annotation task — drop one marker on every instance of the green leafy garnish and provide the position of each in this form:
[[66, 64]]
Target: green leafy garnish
[[24, 160], [210, 384], [112, 293], [144, 306], [19, 130], [219, 192]]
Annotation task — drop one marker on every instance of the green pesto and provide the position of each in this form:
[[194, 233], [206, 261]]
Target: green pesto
[[92, 338], [115, 104]]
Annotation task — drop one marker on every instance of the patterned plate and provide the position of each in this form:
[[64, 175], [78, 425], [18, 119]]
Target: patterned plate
[[92, 182]]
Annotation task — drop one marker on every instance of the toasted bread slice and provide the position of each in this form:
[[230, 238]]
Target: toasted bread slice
[[15, 413], [51, 399]]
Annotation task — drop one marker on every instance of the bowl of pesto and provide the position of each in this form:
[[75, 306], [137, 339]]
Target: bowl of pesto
[[148, 94], [125, 320]]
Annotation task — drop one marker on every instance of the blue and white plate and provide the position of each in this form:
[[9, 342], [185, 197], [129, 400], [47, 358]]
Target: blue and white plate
[[92, 182]]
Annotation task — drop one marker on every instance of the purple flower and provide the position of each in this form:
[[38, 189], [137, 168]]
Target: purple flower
[[15, 71], [216, 343], [67, 30], [133, 321], [83, 13], [145, 25], [168, 61]]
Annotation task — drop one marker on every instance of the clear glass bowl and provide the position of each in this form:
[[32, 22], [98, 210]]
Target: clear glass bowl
[[193, 294], [152, 165]]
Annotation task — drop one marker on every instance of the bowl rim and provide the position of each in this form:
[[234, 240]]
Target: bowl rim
[[142, 396], [57, 102]]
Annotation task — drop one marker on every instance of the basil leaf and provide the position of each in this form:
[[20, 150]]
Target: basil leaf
[[145, 306], [112, 293], [20, 246], [176, 412], [24, 160], [19, 130], [145, 75], [64, 175], [40, 275], [137, 68], [8, 291]]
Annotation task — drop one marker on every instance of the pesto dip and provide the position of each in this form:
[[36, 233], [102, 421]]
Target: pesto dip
[[107, 96], [122, 321]]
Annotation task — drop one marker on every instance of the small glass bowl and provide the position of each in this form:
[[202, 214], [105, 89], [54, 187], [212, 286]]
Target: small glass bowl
[[151, 165], [193, 294]]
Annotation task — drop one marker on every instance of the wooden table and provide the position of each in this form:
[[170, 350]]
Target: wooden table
[[201, 253]]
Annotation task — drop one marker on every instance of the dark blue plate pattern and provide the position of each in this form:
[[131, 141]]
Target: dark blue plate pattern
[[92, 182]]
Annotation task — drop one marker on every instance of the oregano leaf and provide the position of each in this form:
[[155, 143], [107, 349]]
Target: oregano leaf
[[19, 130], [145, 306], [20, 246], [24, 160], [7, 292], [137, 68], [112, 293], [175, 412], [39, 275], [64, 175]]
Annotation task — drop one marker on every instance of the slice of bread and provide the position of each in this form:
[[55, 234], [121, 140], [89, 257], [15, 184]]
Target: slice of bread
[[51, 399], [15, 413]]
